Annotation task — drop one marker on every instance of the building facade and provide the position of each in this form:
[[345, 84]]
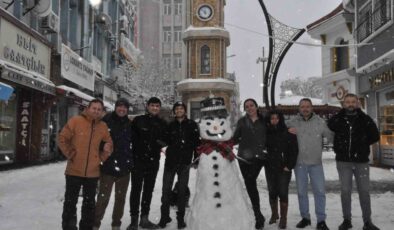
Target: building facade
[[58, 55], [374, 33], [335, 31]]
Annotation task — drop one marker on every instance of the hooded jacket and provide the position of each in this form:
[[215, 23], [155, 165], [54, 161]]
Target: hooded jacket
[[80, 141], [353, 136], [120, 161], [282, 146]]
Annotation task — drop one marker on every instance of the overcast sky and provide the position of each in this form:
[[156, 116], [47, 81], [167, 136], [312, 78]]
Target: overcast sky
[[304, 61]]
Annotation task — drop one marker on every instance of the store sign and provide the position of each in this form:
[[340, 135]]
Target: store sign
[[25, 122], [382, 78], [128, 50], [109, 95], [21, 49], [76, 69], [28, 81]]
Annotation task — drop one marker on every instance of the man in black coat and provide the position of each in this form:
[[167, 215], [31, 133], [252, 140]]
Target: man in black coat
[[354, 133], [116, 169], [150, 133], [183, 140]]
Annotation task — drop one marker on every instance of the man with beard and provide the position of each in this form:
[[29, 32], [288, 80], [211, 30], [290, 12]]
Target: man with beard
[[354, 133]]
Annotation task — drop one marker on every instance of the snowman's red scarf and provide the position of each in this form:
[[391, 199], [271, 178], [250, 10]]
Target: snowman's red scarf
[[225, 148]]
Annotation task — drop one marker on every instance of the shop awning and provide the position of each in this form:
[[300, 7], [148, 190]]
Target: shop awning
[[69, 91], [5, 91], [26, 78]]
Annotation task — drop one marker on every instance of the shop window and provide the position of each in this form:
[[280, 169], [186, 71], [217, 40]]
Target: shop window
[[205, 60], [7, 130], [387, 125]]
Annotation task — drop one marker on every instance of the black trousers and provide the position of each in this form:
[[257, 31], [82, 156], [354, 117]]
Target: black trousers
[[168, 180], [278, 184], [69, 216], [250, 172], [143, 179]]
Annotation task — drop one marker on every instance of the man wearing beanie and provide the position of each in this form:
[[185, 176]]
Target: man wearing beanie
[[150, 137], [183, 140], [117, 168]]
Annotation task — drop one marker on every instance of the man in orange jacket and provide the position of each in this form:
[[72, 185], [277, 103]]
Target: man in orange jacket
[[80, 141]]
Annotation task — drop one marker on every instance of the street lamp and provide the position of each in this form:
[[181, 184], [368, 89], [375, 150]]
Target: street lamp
[[95, 3], [262, 59]]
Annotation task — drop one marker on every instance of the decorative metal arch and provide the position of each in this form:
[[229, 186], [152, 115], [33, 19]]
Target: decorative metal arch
[[281, 38]]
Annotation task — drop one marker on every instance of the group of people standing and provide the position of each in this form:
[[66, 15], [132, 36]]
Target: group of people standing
[[108, 149], [281, 147]]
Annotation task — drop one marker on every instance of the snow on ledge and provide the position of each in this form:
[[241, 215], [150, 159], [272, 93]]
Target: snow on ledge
[[214, 80]]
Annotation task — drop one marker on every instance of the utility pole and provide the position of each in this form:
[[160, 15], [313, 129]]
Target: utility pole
[[262, 59]]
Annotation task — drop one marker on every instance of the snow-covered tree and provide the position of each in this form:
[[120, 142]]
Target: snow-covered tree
[[302, 87], [149, 79]]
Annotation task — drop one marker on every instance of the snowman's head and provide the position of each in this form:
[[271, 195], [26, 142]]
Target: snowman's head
[[215, 123]]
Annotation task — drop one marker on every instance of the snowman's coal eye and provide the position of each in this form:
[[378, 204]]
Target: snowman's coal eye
[[222, 123], [208, 123]]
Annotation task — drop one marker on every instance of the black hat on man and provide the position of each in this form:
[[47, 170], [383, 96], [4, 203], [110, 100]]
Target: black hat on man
[[178, 103], [122, 101]]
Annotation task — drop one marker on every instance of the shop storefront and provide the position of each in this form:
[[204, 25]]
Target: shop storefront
[[25, 66], [378, 89]]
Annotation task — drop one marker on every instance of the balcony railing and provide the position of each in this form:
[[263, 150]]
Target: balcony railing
[[372, 22]]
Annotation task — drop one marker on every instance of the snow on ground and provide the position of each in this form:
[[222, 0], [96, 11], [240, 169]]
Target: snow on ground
[[31, 198]]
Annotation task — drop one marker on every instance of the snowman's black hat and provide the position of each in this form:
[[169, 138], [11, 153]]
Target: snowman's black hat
[[213, 105]]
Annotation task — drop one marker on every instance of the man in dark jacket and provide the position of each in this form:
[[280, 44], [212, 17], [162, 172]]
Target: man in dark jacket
[[183, 140], [150, 133], [354, 133], [117, 168]]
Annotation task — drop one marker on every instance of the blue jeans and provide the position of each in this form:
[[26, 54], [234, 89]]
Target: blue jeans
[[316, 176]]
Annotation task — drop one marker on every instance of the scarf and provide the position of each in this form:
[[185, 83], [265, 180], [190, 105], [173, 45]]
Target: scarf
[[225, 148]]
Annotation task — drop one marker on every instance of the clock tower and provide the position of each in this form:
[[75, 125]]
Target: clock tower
[[206, 41]]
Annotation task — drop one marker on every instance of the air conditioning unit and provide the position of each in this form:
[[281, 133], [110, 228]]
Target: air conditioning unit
[[50, 23]]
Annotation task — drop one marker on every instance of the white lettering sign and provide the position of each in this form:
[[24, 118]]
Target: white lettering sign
[[24, 121], [21, 49], [77, 69]]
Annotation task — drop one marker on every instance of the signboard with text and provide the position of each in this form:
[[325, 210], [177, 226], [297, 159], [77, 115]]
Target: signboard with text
[[76, 69], [21, 49]]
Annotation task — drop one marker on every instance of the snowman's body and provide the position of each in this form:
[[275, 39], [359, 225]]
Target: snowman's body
[[220, 201]]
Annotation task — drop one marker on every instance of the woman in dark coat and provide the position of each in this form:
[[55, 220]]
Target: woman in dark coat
[[282, 151], [250, 134]]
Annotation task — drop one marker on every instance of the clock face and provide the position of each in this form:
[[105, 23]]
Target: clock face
[[205, 12]]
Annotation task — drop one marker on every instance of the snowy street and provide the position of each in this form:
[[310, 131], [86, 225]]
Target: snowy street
[[31, 198]]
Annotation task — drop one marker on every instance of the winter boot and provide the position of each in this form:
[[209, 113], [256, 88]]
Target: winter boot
[[369, 226], [180, 218], [322, 226], [259, 220], [164, 220], [346, 225], [146, 223], [274, 210], [134, 223], [303, 223], [283, 215]]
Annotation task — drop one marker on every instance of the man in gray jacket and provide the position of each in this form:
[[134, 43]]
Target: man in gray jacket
[[310, 130]]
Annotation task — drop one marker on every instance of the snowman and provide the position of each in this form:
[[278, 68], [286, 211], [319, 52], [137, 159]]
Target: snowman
[[220, 201]]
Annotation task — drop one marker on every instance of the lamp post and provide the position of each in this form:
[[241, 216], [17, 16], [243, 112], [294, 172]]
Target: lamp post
[[262, 59]]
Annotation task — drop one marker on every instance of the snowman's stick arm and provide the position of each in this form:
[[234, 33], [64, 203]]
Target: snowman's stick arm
[[242, 159]]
